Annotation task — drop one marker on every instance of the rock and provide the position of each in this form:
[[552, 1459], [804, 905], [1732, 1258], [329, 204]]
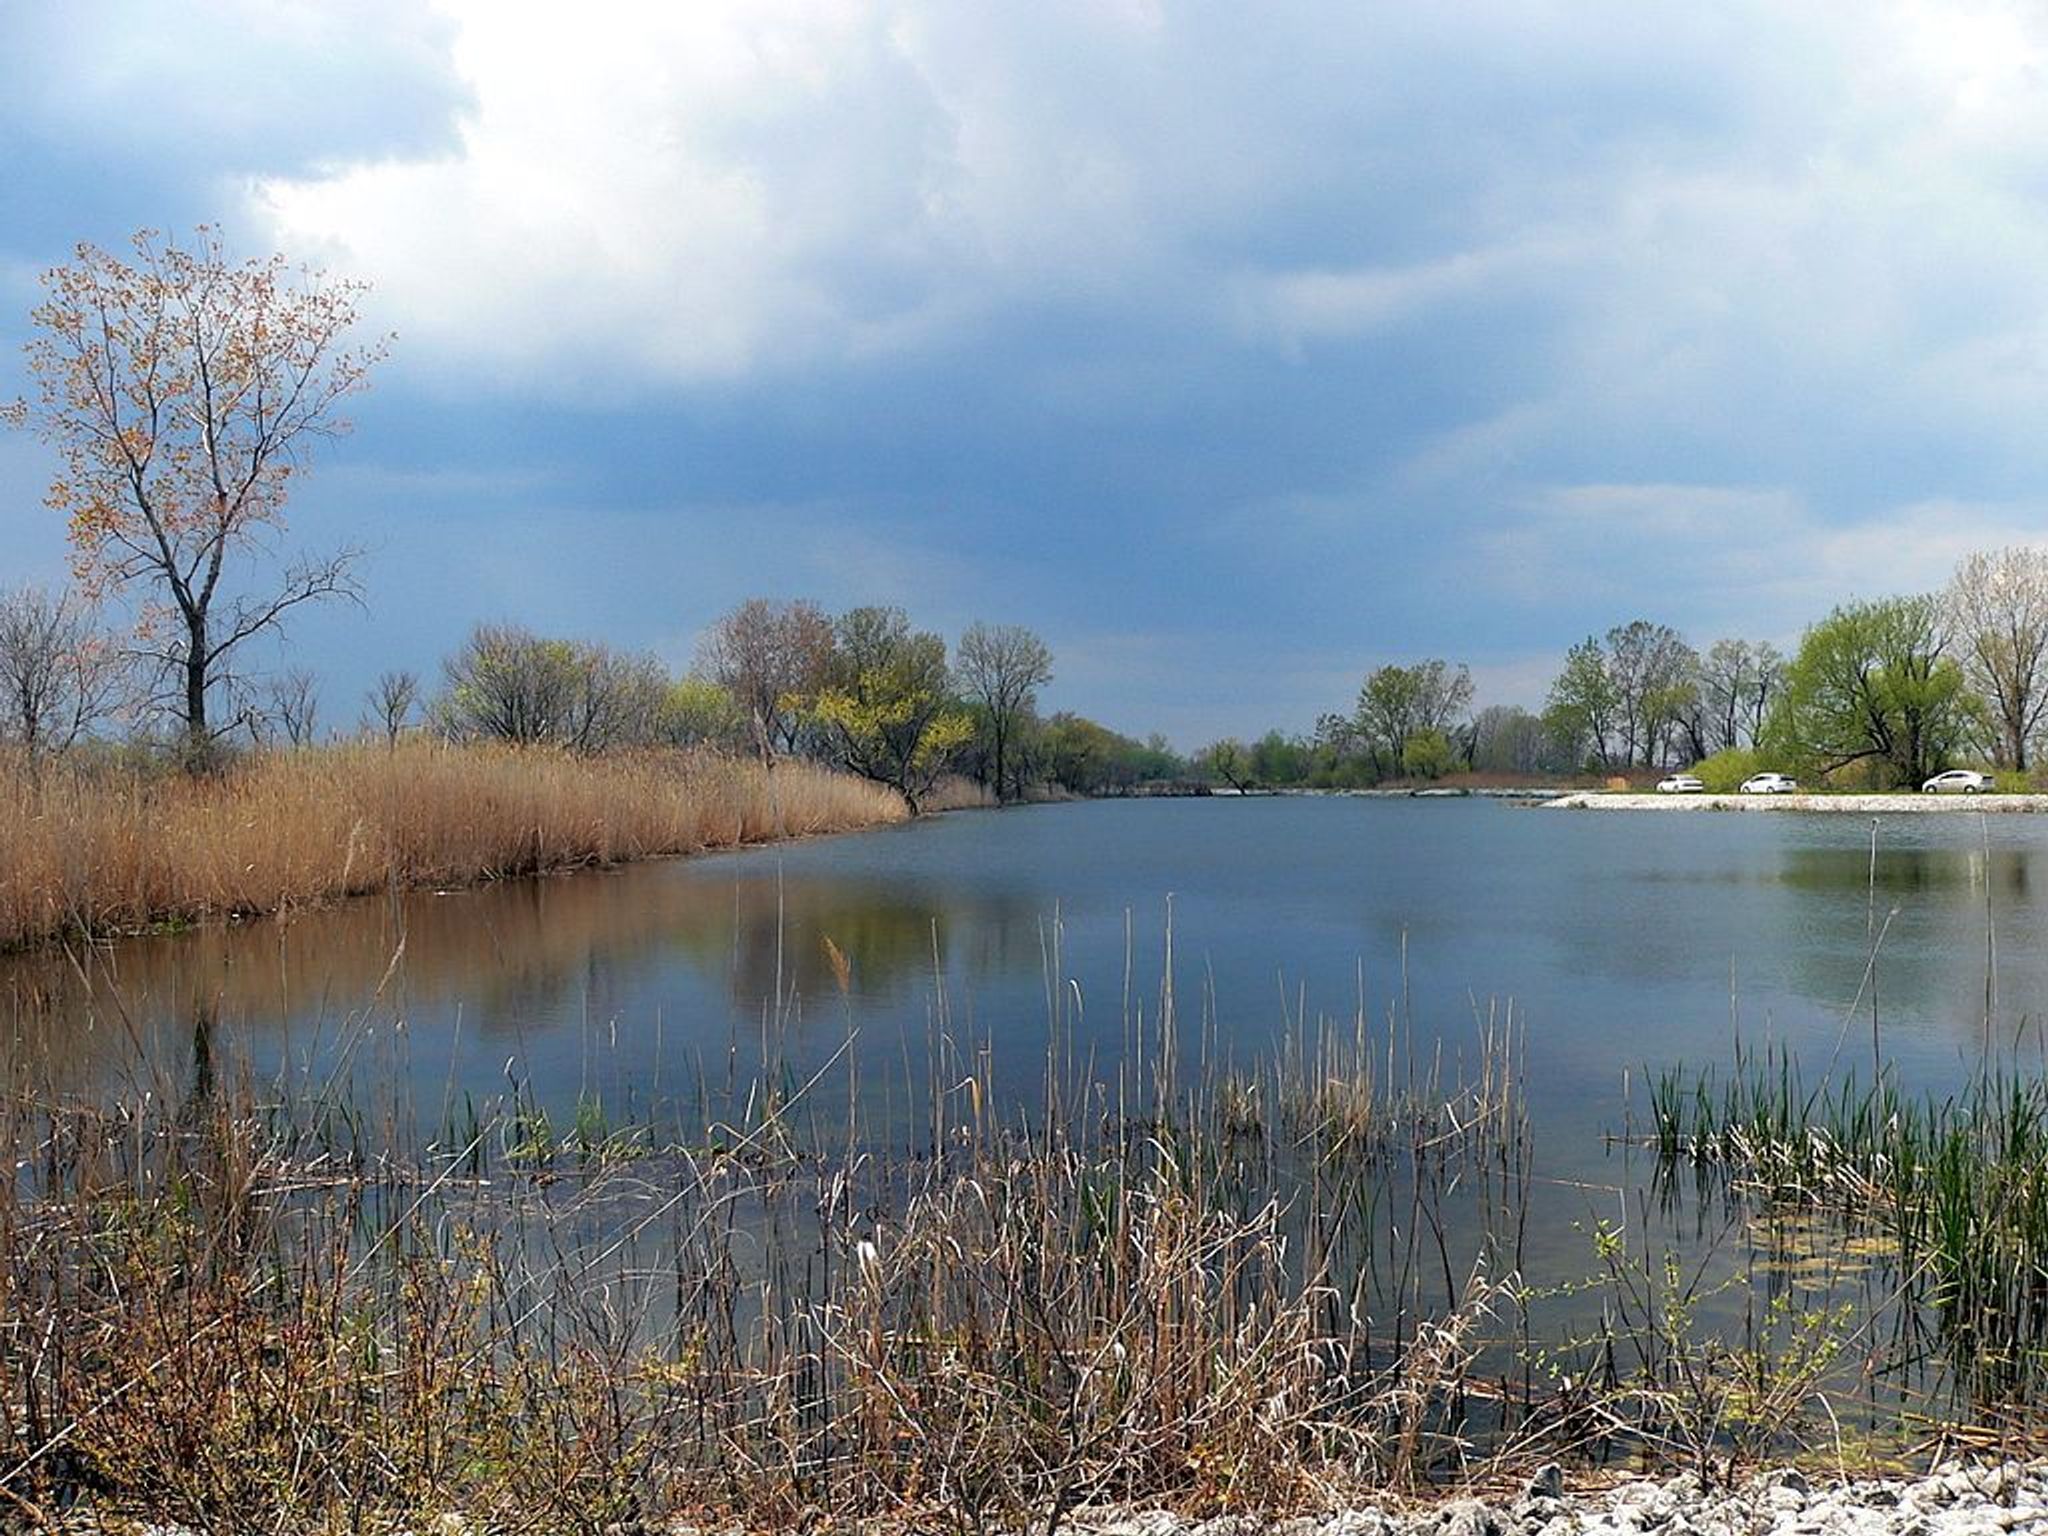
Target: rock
[[1467, 1517], [1150, 1522], [1359, 1522], [1547, 1483]]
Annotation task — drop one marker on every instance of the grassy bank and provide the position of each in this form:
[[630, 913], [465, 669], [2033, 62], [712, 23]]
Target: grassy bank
[[95, 847]]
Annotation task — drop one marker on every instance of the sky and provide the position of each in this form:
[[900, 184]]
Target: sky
[[1235, 349]]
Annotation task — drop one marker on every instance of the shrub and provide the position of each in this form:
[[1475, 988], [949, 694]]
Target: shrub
[[1724, 772], [1427, 755]]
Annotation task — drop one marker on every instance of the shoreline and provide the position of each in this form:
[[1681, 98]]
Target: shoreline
[[98, 852], [1951, 1499], [1905, 804]]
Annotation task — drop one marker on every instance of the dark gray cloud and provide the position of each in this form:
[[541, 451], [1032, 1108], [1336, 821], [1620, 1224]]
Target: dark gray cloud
[[1238, 349]]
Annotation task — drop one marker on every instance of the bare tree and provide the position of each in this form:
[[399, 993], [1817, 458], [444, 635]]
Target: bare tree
[[183, 391], [769, 656], [620, 700], [59, 673], [1997, 606], [1766, 683], [508, 684], [1650, 667], [391, 703], [1002, 667], [1737, 683], [295, 705], [1508, 739]]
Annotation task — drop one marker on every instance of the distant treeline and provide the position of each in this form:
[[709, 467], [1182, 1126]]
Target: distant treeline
[[863, 691], [1878, 694]]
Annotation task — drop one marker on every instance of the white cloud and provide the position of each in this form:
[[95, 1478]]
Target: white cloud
[[1720, 560], [1678, 218], [678, 191]]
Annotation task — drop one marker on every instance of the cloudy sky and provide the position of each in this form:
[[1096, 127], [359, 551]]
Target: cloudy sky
[[1237, 349]]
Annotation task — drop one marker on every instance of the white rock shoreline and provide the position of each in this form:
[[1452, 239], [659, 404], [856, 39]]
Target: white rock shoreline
[[1988, 1500], [1863, 805]]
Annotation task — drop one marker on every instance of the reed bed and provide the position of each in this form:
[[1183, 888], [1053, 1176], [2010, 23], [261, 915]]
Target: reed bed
[[282, 1306], [1951, 1190], [96, 848]]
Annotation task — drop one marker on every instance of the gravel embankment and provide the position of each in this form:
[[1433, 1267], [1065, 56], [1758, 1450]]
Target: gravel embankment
[[1865, 805], [1954, 1501]]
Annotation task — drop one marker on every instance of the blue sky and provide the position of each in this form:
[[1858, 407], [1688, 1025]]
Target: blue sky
[[1236, 349]]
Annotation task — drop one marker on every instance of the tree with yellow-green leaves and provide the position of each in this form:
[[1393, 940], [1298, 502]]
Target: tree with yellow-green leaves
[[885, 710]]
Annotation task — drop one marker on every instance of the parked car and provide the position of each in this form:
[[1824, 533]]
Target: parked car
[[1681, 784], [1770, 784], [1957, 781]]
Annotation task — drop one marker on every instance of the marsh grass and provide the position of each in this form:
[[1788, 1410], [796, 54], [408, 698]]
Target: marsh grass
[[1950, 1191], [288, 1304], [307, 1303], [93, 848]]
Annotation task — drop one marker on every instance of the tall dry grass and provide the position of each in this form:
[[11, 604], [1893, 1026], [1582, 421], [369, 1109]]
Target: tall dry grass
[[247, 1306], [95, 847]]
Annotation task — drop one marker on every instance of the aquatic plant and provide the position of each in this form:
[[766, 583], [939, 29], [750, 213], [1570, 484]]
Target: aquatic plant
[[1954, 1188], [281, 1304]]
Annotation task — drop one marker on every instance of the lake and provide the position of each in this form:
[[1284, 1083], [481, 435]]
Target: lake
[[1619, 942]]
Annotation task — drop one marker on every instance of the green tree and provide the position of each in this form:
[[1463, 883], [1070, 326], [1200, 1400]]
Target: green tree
[[1086, 758], [1580, 712], [506, 683], [1226, 760], [1397, 702], [698, 712], [886, 711], [1277, 758], [1870, 683], [1427, 755]]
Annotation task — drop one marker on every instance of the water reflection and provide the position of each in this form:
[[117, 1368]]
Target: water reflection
[[506, 964], [1624, 941], [1912, 871]]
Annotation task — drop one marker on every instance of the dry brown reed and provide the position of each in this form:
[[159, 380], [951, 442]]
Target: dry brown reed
[[98, 847], [225, 1305]]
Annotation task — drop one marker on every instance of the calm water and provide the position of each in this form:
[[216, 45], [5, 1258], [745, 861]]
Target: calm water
[[1620, 941]]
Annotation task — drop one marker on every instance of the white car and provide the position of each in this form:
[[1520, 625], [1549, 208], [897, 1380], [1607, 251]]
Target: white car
[[1681, 784], [1957, 781], [1770, 784]]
